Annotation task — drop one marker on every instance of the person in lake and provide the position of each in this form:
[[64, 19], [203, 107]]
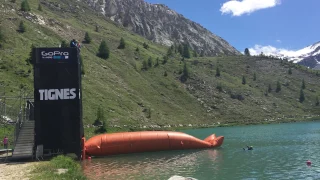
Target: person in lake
[[249, 148]]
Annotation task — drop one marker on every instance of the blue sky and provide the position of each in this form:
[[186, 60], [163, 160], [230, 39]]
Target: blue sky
[[256, 24]]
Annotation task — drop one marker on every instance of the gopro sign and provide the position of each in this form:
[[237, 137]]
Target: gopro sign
[[54, 55], [57, 94]]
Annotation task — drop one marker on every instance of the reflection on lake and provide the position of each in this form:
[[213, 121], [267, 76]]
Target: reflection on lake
[[154, 165]]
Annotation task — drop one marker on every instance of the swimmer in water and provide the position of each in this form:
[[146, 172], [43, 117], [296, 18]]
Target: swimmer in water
[[249, 148]]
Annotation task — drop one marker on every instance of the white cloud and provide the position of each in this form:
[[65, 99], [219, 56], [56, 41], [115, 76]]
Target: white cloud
[[278, 41], [270, 50], [238, 8]]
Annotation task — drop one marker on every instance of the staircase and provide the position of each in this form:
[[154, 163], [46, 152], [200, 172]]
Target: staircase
[[25, 141]]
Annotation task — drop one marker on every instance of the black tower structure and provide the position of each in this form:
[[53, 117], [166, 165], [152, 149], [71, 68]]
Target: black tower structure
[[58, 99]]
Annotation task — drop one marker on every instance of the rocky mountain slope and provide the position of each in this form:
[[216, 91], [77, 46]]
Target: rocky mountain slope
[[160, 24], [133, 97]]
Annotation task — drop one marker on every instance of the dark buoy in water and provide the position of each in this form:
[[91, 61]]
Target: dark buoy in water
[[308, 163]]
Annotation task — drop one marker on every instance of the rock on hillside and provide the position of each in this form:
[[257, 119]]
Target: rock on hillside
[[160, 24]]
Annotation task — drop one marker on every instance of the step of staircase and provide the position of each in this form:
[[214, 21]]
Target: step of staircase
[[25, 141]]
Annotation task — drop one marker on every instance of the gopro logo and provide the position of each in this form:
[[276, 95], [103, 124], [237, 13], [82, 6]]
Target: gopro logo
[[55, 55], [57, 94]]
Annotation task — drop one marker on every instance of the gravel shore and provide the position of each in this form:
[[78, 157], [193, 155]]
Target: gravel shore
[[17, 170]]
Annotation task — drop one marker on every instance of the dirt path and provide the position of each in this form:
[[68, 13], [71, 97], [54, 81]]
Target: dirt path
[[16, 171]]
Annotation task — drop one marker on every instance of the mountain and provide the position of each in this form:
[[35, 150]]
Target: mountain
[[160, 24], [308, 56], [139, 87]]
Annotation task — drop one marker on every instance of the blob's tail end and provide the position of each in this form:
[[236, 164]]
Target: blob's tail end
[[214, 141]]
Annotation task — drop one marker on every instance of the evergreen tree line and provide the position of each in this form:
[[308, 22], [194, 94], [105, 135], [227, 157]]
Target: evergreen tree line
[[184, 50]]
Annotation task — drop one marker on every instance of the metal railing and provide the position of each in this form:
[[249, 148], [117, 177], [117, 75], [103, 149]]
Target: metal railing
[[14, 110], [24, 115]]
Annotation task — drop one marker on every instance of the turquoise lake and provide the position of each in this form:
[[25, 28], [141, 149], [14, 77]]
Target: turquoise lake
[[280, 152]]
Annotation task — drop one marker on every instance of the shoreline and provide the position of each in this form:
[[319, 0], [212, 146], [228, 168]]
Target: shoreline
[[179, 127]]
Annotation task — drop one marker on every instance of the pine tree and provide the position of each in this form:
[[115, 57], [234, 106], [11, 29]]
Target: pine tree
[[1, 37], [219, 87], [303, 86], [186, 52], [13, 1], [217, 72], [165, 59], [145, 65], [122, 44], [180, 49], [254, 76], [150, 62], [195, 54], [157, 62], [29, 59], [278, 89], [165, 74], [145, 45], [170, 52], [87, 38], [266, 93], [301, 98], [97, 28], [101, 120], [244, 80], [64, 44], [317, 101], [39, 7], [289, 71], [202, 54], [269, 88], [25, 6], [137, 49], [175, 48], [185, 73], [172, 47], [22, 27], [103, 50], [148, 113], [247, 52]]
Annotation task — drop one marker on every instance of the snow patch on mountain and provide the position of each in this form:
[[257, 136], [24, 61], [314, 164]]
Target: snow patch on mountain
[[312, 51]]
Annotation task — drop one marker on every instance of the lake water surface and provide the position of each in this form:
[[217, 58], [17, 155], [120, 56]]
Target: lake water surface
[[280, 152]]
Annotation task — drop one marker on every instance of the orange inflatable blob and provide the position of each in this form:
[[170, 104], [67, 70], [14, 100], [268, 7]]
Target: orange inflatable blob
[[146, 141]]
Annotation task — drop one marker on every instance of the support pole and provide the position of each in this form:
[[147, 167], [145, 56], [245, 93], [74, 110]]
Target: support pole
[[83, 140]]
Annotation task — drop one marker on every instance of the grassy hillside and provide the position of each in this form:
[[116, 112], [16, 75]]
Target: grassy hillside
[[132, 98]]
